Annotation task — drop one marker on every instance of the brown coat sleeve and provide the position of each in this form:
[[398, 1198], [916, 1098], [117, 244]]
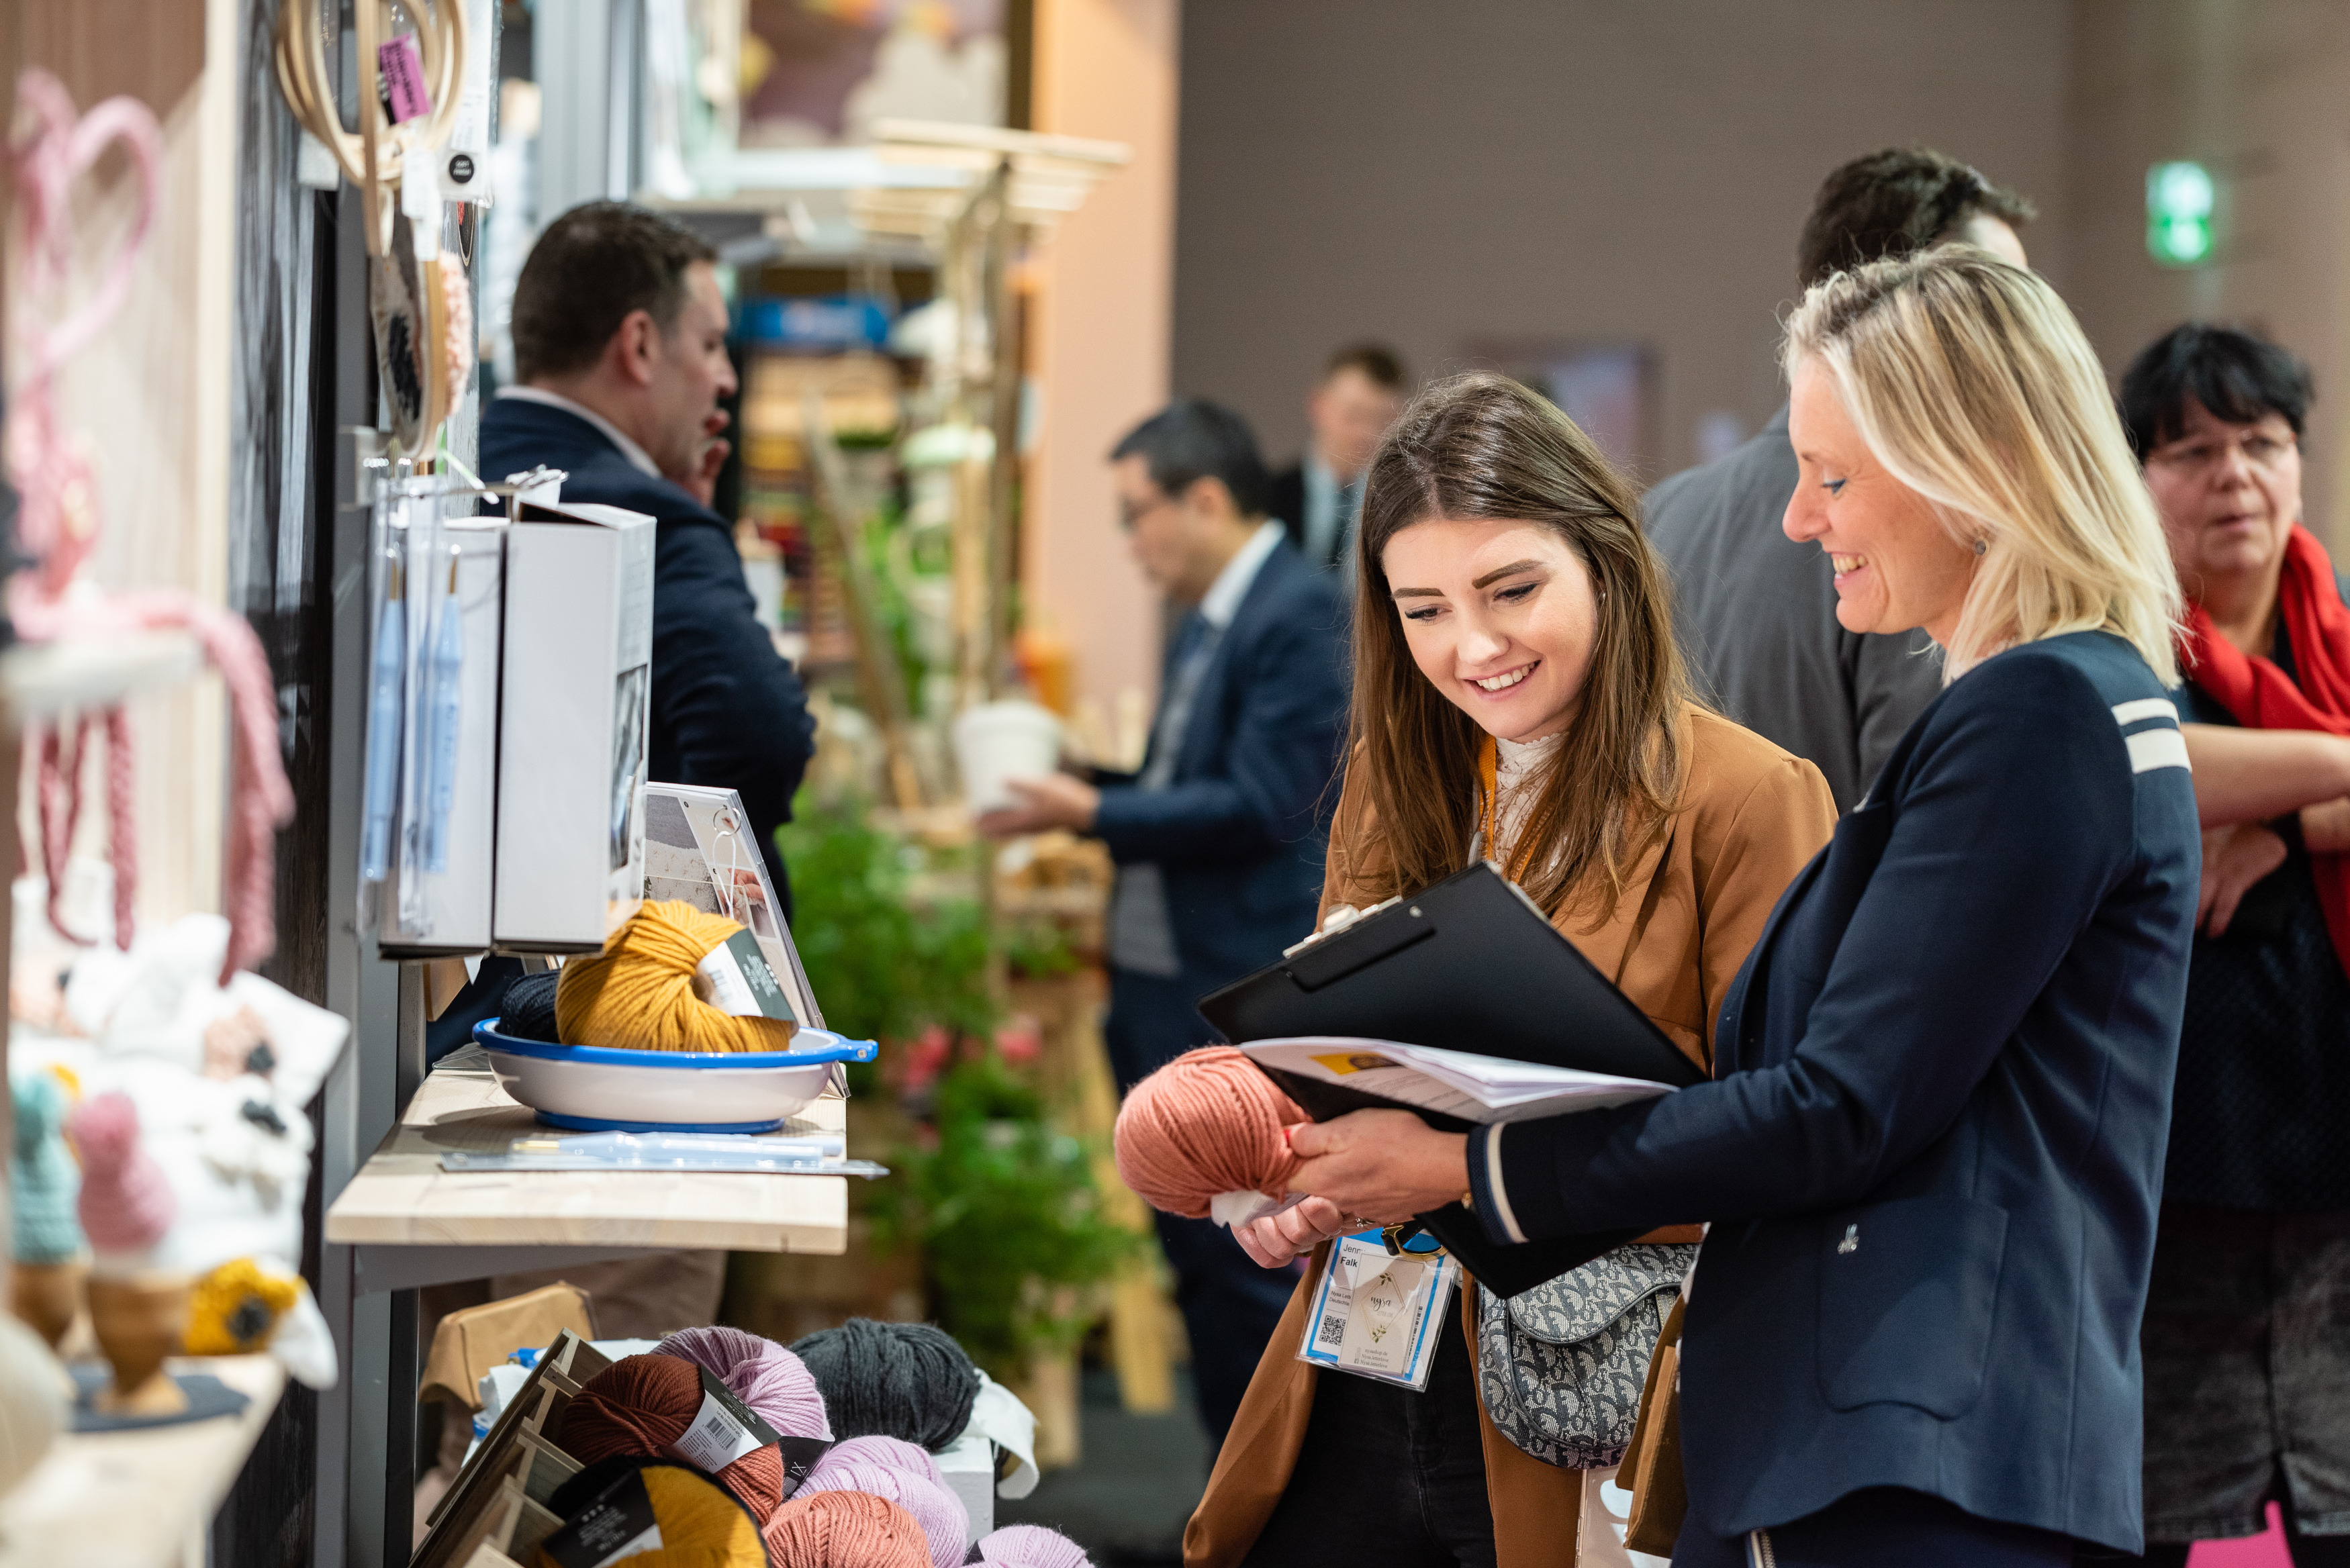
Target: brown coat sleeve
[[1744, 858]]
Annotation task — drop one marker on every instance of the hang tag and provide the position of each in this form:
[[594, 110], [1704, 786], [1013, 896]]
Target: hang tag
[[618, 1525], [723, 1429], [733, 978], [400, 68], [315, 168], [1376, 1314], [800, 1455]]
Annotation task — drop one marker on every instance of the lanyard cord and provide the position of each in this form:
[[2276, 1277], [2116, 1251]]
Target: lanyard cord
[[1489, 799]]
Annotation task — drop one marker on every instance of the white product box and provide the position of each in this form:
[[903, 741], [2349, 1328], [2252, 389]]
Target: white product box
[[422, 913], [578, 687]]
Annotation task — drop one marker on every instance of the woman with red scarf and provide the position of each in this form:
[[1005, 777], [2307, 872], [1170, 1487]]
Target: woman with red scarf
[[2247, 1329]]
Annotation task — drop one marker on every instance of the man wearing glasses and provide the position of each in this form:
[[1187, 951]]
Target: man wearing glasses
[[1218, 840]]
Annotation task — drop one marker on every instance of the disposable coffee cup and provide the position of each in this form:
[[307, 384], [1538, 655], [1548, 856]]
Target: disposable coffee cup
[[995, 741]]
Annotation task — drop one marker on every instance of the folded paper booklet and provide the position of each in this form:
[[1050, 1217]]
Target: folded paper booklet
[[1452, 1083]]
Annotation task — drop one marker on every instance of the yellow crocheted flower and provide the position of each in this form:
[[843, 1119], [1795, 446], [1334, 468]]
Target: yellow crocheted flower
[[236, 1308]]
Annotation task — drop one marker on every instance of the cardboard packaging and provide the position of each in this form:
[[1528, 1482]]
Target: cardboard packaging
[[427, 913], [577, 701]]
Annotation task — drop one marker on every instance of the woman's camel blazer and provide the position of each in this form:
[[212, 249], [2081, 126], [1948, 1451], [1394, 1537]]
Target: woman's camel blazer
[[1750, 816]]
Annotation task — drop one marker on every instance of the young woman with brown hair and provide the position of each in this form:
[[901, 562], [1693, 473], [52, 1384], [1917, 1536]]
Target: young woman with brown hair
[[1519, 696]]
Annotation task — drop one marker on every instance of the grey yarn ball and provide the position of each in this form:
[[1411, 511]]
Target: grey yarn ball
[[905, 1380]]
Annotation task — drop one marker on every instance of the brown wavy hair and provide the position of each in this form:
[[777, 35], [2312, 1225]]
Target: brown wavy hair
[[1483, 447]]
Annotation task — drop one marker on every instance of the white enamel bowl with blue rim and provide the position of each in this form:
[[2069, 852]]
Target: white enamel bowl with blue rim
[[592, 1088]]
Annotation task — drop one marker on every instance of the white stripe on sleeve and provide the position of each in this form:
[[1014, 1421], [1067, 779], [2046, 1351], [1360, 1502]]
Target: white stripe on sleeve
[[1493, 1181]]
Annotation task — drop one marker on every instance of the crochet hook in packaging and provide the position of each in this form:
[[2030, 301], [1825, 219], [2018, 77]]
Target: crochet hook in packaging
[[817, 1154]]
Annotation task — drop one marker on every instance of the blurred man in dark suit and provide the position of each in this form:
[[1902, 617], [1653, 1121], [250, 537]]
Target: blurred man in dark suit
[[1319, 497], [1218, 839], [1755, 612]]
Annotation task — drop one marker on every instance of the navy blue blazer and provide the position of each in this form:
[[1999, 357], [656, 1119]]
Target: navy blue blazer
[[1933, 1156], [1237, 834], [727, 711]]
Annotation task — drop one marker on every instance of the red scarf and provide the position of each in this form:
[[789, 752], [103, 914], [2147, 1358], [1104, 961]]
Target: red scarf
[[2264, 697]]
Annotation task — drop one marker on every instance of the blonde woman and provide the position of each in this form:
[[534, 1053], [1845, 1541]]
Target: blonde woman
[[1933, 1150], [1518, 695]]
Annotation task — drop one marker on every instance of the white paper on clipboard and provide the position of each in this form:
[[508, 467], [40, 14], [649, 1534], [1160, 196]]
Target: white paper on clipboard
[[700, 849]]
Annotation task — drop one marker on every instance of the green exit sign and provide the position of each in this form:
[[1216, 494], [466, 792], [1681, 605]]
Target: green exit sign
[[2178, 202]]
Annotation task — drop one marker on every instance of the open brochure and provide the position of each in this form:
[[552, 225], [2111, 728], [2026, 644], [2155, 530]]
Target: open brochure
[[1448, 1083]]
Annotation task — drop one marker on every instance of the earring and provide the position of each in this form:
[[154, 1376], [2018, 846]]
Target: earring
[[1982, 545]]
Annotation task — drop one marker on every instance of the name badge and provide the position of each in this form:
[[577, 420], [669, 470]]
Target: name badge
[[1377, 1314]]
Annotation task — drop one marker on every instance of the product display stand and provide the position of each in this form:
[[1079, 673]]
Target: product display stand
[[125, 1498], [411, 1223], [141, 1499]]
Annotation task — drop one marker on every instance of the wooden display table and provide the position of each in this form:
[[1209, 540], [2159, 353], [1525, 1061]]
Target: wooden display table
[[144, 1499], [412, 1223]]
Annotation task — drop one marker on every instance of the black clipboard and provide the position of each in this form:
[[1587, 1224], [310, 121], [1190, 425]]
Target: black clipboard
[[1468, 964]]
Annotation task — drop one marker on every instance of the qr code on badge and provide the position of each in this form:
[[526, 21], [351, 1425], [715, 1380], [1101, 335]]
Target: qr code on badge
[[1333, 1332]]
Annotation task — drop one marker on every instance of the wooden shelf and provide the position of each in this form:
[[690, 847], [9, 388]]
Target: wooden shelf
[[40, 679], [402, 1198], [138, 1499]]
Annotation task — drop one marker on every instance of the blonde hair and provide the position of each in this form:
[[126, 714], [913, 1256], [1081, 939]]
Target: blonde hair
[[1973, 385]]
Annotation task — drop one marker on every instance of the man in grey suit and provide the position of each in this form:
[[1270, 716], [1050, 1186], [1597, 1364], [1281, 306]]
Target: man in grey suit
[[1756, 610]]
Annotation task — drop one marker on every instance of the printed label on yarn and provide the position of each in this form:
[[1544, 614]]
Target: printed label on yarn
[[733, 978], [619, 1524], [800, 1455], [723, 1429]]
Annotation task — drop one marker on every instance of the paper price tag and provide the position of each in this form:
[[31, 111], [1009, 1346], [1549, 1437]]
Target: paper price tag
[[1377, 1315], [618, 1525], [733, 978], [723, 1429], [402, 70]]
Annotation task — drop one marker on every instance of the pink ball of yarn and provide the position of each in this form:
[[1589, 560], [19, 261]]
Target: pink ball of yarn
[[126, 1204], [892, 1469], [1031, 1546], [1207, 1122], [776, 1384]]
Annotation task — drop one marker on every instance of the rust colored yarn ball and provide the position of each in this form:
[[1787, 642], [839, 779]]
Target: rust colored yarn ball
[[846, 1529], [643, 1404], [1207, 1122]]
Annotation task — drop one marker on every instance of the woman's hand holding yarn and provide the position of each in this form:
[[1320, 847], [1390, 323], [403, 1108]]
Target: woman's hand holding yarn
[[1385, 1166], [1274, 1240]]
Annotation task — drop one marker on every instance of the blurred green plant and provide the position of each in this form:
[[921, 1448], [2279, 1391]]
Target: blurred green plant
[[881, 967], [1005, 1211]]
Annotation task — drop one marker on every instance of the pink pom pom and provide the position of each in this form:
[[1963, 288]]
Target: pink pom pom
[[774, 1382], [126, 1205], [897, 1471], [1031, 1546]]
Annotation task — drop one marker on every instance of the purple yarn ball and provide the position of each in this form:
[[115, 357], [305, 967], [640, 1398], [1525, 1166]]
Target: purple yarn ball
[[1031, 1546], [905, 1475], [776, 1384]]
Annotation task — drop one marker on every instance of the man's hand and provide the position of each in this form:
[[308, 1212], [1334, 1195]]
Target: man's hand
[[1385, 1166], [1055, 801], [703, 484], [1277, 1238], [2234, 857]]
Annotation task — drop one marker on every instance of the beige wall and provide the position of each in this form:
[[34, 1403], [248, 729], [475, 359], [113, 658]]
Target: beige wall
[[1105, 69], [2260, 94], [1565, 168]]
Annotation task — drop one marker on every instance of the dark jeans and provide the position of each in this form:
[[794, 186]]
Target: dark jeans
[[2306, 1551], [1388, 1477], [1880, 1527], [1230, 1305]]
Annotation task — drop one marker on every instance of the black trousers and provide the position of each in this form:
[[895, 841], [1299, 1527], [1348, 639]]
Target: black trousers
[[1387, 1476], [1880, 1527], [1230, 1304]]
